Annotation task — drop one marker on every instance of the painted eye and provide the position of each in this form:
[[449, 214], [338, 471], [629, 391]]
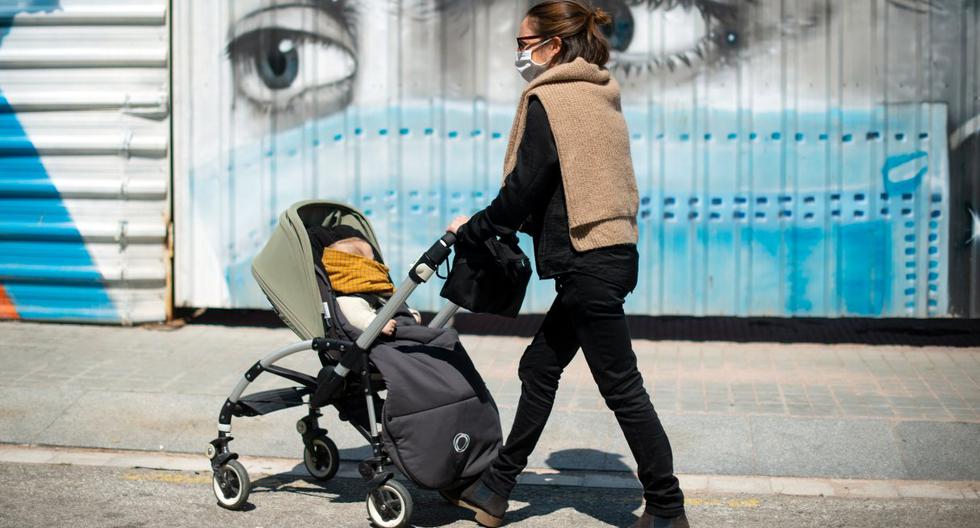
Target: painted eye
[[277, 62], [279, 57], [649, 36]]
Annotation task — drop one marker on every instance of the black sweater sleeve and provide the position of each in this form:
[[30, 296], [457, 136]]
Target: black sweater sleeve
[[526, 188]]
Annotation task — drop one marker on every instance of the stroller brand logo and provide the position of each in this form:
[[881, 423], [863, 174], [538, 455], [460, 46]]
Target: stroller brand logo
[[461, 442]]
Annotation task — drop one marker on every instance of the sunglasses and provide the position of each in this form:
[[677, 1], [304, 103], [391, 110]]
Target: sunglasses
[[520, 40]]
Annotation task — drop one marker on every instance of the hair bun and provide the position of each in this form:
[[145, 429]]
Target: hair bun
[[600, 16]]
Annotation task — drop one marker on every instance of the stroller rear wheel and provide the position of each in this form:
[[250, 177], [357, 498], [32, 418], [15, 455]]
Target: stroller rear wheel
[[231, 485], [390, 505], [321, 458]]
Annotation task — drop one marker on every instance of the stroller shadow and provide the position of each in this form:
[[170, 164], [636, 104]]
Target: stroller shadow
[[299, 482], [611, 506]]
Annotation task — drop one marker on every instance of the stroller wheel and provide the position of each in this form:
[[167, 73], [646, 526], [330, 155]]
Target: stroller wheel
[[390, 505], [321, 458], [231, 485]]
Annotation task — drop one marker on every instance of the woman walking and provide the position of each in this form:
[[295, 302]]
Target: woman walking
[[569, 183]]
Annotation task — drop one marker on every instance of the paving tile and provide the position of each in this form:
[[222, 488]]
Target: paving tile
[[796, 486], [872, 489], [940, 451], [749, 485], [26, 411], [805, 447], [927, 491]]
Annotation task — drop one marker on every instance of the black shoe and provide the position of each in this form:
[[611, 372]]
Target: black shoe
[[653, 521], [488, 506], [451, 495]]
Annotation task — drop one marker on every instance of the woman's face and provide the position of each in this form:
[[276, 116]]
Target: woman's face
[[543, 53]]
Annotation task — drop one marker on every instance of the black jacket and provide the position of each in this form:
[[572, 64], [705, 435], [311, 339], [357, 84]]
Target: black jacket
[[532, 200]]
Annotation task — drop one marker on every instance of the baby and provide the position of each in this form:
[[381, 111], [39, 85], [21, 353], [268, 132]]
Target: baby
[[356, 274]]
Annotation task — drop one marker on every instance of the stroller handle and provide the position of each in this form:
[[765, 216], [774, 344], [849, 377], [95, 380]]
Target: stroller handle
[[420, 272]]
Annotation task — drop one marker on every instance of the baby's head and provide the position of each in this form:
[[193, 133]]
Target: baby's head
[[354, 245]]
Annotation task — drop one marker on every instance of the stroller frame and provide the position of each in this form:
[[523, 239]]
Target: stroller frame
[[345, 371]]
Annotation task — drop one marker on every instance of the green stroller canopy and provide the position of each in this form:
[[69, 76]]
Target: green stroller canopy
[[284, 268]]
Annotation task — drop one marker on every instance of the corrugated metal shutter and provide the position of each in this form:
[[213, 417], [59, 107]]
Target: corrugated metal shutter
[[84, 160]]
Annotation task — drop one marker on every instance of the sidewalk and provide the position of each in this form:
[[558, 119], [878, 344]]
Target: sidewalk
[[828, 411]]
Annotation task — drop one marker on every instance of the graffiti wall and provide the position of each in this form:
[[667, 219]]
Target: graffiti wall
[[794, 158], [84, 160]]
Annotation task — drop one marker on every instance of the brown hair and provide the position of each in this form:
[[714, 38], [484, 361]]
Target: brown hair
[[577, 23]]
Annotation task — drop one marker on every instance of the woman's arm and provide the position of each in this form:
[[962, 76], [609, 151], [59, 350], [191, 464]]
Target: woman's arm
[[530, 183]]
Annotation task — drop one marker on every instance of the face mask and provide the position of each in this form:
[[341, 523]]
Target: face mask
[[527, 67]]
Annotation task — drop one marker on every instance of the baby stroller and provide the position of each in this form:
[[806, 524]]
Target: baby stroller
[[438, 424]]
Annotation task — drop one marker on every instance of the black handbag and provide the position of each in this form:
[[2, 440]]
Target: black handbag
[[489, 278]]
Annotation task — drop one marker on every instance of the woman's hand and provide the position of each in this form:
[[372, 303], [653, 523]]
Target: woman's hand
[[389, 328], [458, 221]]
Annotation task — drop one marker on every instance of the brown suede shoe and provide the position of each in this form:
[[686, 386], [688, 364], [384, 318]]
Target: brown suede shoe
[[488, 506], [652, 521]]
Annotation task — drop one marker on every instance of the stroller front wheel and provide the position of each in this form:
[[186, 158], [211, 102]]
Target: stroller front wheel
[[231, 485], [321, 458], [390, 505]]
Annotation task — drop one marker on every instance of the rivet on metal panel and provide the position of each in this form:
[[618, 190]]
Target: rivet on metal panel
[[126, 142], [121, 238]]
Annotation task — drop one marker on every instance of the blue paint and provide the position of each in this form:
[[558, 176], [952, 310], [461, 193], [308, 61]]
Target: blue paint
[[45, 266], [902, 172], [801, 222]]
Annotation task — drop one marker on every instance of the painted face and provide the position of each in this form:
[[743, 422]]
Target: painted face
[[770, 150]]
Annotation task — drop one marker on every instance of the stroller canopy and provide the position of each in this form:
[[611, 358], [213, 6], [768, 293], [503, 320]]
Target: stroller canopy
[[284, 267]]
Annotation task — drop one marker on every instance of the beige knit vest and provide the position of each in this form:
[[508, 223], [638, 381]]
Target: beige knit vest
[[583, 107]]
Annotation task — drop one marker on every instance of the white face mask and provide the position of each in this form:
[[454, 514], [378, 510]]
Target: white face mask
[[526, 66]]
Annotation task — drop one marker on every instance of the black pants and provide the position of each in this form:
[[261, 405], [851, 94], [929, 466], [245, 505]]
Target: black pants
[[593, 308]]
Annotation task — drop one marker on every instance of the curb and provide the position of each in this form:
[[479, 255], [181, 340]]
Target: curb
[[712, 484]]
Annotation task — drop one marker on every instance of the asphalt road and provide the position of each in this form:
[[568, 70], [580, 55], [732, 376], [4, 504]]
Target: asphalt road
[[82, 496]]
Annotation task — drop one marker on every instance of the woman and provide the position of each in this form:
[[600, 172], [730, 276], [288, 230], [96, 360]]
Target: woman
[[569, 183]]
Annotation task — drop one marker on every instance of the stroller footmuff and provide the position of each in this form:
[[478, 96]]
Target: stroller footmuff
[[438, 423]]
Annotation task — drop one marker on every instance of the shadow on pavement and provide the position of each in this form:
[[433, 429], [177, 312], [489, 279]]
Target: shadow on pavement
[[611, 507]]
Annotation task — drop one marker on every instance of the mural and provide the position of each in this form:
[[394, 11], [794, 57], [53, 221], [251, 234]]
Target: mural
[[84, 164], [794, 158], [22, 239]]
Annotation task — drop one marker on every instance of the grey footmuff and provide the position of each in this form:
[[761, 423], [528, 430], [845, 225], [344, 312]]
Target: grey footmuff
[[440, 424]]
